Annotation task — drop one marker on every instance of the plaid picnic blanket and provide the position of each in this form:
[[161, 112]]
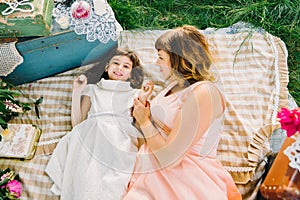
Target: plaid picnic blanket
[[252, 68]]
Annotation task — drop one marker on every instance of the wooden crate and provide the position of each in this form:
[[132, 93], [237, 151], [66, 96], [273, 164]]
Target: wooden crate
[[282, 181], [25, 24]]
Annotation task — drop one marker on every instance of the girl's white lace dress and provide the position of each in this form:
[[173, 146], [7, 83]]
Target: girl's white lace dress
[[96, 159]]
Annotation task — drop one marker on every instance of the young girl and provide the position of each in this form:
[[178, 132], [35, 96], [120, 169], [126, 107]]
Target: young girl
[[96, 159]]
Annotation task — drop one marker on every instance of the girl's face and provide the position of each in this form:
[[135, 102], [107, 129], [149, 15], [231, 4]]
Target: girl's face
[[119, 68], [164, 62]]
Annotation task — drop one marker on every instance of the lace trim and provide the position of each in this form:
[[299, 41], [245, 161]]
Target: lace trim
[[292, 152], [113, 114], [102, 27], [238, 169], [49, 142], [277, 80], [9, 58]]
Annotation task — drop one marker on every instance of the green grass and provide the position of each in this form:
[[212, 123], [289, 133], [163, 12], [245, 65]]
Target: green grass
[[281, 18]]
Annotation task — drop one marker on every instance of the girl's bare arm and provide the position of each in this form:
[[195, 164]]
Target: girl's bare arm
[[80, 104]]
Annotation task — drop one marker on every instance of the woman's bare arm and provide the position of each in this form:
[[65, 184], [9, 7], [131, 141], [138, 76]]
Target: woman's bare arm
[[190, 124]]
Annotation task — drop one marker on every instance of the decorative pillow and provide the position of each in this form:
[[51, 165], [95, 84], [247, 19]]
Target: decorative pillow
[[251, 66]]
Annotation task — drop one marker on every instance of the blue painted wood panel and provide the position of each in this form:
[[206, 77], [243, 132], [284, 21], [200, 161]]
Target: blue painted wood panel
[[47, 56]]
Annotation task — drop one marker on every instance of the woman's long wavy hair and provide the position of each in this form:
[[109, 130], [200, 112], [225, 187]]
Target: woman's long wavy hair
[[189, 54], [137, 75]]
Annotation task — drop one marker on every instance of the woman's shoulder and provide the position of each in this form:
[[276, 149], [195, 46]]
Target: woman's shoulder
[[204, 89], [201, 86]]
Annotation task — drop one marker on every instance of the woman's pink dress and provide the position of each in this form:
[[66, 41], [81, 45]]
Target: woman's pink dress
[[199, 175]]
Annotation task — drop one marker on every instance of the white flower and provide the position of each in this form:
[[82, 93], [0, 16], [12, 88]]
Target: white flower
[[12, 107]]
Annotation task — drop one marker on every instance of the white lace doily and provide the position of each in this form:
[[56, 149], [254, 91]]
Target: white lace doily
[[293, 153], [9, 58], [97, 27]]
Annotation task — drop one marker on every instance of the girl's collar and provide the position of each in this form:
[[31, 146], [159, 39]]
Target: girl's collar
[[115, 85]]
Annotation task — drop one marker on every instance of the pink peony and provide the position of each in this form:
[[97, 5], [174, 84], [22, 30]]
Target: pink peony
[[289, 120], [80, 10], [15, 188]]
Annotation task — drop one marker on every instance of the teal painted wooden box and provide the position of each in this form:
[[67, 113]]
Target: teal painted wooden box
[[25, 24], [47, 56]]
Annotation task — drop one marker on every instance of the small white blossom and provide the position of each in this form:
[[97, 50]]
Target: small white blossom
[[12, 107]]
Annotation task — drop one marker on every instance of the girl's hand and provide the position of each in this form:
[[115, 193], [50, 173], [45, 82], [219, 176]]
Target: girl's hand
[[146, 92], [80, 82], [141, 112]]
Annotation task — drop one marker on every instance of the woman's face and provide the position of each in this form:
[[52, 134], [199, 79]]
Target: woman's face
[[119, 68], [164, 62]]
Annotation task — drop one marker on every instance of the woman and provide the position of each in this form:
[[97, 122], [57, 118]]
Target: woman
[[181, 127]]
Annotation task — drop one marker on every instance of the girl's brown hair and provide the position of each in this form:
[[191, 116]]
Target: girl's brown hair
[[189, 53], [137, 75]]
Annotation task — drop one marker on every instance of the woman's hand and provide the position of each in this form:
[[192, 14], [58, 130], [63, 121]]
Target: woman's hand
[[146, 92], [79, 83], [141, 112]]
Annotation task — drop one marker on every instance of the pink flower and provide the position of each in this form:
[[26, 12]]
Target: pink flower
[[15, 188], [80, 10], [289, 120]]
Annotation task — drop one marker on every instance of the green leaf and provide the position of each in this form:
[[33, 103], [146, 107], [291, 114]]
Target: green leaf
[[2, 121], [6, 91], [36, 106], [39, 101], [37, 112]]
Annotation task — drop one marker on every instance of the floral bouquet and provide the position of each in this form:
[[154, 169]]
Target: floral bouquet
[[11, 106], [10, 185]]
